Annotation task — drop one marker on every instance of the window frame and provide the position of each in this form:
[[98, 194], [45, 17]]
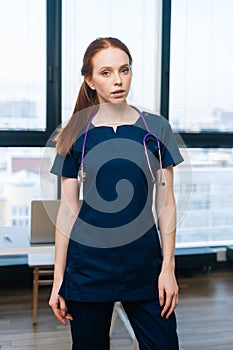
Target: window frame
[[53, 88], [53, 85], [195, 139]]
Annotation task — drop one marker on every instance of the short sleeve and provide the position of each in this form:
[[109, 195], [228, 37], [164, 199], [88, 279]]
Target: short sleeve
[[67, 165], [170, 152]]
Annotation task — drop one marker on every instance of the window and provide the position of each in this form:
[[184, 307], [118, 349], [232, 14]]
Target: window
[[29, 71], [25, 177], [136, 22], [201, 66], [200, 107], [23, 65], [29, 104], [207, 219]]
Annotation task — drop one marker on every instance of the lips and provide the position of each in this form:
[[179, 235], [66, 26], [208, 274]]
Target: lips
[[118, 93]]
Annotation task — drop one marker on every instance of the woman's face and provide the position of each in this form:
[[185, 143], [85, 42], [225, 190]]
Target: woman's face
[[111, 75]]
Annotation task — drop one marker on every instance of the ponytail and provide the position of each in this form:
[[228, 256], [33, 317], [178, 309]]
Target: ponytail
[[81, 114]]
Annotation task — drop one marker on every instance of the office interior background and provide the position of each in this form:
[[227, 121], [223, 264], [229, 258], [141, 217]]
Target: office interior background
[[40, 78], [182, 69]]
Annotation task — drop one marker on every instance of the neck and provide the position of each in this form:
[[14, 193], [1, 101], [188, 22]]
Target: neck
[[113, 111]]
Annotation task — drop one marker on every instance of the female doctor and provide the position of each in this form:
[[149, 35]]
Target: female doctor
[[113, 253]]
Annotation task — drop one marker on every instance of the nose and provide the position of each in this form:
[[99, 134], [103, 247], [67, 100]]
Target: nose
[[117, 79]]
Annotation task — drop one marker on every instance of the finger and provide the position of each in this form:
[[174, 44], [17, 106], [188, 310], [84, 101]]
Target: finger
[[56, 307], [62, 304], [172, 306], [63, 309], [177, 299], [69, 317], [57, 313], [161, 296], [167, 305]]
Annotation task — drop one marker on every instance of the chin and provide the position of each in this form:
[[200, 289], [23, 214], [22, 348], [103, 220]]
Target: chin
[[120, 100]]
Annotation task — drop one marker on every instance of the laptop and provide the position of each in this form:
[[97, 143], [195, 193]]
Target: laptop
[[43, 221]]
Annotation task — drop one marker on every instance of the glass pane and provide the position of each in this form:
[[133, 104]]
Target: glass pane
[[24, 174], [201, 80], [22, 65], [208, 217], [136, 22]]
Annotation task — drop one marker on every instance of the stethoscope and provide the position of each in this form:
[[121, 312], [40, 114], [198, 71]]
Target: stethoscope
[[82, 174]]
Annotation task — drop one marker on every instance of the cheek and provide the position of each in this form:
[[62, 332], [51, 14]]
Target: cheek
[[101, 85], [128, 80]]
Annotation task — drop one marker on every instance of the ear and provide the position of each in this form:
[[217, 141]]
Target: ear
[[89, 82]]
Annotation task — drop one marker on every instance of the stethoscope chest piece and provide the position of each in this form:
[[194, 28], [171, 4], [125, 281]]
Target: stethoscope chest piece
[[81, 178]]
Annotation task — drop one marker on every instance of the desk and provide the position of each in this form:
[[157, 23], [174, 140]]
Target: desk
[[15, 241], [15, 244]]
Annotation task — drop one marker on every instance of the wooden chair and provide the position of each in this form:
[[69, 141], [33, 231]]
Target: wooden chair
[[119, 311], [43, 268]]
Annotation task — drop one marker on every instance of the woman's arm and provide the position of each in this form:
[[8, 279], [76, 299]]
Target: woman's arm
[[166, 213], [67, 214]]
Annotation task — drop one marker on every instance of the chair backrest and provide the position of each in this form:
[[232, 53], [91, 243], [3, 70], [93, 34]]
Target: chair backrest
[[43, 220]]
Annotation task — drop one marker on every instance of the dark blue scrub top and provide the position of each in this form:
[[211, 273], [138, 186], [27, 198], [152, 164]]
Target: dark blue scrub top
[[114, 251]]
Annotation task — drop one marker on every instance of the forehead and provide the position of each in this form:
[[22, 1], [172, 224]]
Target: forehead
[[110, 57]]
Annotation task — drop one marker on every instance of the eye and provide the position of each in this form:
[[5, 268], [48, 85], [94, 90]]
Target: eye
[[106, 73], [125, 70]]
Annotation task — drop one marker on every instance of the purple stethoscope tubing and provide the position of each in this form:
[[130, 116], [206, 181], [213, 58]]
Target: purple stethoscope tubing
[[149, 133], [159, 182]]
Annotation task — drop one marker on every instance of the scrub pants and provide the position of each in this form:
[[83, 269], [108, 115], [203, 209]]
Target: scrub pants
[[92, 320]]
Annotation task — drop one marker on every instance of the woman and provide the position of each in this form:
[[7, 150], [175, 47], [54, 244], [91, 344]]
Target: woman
[[107, 244]]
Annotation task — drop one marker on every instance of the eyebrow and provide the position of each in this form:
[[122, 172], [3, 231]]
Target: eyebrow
[[109, 67]]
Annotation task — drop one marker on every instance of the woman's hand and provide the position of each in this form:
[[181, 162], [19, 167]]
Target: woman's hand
[[168, 292], [58, 305]]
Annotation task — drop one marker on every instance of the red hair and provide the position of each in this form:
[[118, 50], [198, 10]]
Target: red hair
[[86, 96]]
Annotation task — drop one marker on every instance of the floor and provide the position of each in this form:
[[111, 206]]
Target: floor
[[205, 311], [18, 333], [204, 317]]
